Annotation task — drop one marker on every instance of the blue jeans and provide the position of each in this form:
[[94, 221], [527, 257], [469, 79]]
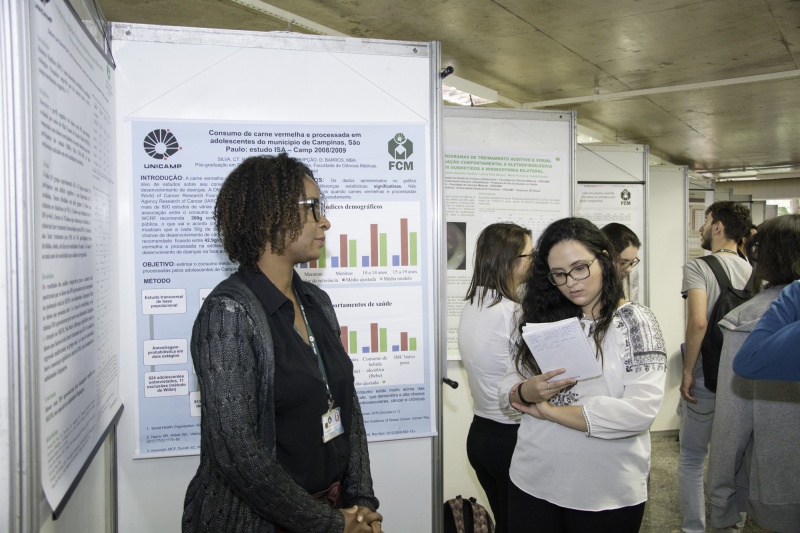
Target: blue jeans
[[697, 420]]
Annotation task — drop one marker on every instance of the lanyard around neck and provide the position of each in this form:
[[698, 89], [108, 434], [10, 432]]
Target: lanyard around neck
[[314, 347]]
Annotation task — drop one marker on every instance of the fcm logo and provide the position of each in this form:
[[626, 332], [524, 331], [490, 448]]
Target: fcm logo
[[401, 148], [161, 144], [626, 197]]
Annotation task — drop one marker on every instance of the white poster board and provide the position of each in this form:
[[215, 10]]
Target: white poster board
[[76, 271], [667, 184], [611, 187], [208, 89], [500, 166]]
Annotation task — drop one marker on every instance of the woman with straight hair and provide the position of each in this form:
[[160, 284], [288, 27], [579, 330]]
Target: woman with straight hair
[[485, 341], [583, 452], [626, 256], [756, 429]]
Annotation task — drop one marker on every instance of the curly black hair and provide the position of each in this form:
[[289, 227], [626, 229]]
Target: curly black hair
[[257, 204], [544, 302]]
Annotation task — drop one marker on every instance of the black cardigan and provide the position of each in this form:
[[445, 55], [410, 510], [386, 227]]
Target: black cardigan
[[239, 485]]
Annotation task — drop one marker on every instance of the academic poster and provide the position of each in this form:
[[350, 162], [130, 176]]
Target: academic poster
[[481, 188], [374, 178], [75, 244], [623, 203]]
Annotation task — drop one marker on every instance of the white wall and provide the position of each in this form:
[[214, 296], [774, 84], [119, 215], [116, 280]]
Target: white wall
[[90, 508], [458, 476], [666, 255]]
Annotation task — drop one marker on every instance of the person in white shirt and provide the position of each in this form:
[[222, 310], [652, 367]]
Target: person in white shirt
[[485, 341], [583, 452]]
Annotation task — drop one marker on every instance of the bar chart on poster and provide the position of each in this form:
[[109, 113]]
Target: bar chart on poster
[[380, 332], [383, 248]]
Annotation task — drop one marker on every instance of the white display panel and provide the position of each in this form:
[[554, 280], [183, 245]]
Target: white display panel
[[612, 187], [180, 77], [500, 166], [75, 195]]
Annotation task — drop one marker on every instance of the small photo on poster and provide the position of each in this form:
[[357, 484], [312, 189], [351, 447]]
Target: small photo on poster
[[456, 246]]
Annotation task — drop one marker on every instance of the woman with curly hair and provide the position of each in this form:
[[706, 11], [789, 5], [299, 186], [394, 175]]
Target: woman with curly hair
[[283, 446], [486, 336], [583, 453]]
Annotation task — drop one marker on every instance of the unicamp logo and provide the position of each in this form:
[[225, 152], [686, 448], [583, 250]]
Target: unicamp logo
[[626, 197], [161, 144], [401, 148]]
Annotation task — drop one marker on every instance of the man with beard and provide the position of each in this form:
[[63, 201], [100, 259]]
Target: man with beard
[[726, 223]]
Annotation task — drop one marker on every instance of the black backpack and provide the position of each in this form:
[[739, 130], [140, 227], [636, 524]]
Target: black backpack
[[729, 299], [466, 516]]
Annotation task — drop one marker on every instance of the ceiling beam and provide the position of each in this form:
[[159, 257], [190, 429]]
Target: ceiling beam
[[290, 18], [623, 95]]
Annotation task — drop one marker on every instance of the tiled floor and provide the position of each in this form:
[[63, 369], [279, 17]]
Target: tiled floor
[[662, 513]]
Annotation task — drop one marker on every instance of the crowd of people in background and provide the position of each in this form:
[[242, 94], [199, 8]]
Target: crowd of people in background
[[580, 461]]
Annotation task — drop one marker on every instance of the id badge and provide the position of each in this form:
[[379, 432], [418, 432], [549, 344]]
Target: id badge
[[332, 424]]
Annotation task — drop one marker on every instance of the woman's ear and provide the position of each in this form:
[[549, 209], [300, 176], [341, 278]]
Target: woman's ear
[[605, 252]]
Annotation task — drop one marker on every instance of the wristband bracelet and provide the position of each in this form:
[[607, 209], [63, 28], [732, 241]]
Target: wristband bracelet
[[522, 400]]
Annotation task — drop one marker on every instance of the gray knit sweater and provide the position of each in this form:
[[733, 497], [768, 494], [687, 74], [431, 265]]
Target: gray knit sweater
[[239, 485], [754, 463]]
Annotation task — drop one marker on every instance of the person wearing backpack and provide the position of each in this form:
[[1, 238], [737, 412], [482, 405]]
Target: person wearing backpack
[[753, 463], [725, 224]]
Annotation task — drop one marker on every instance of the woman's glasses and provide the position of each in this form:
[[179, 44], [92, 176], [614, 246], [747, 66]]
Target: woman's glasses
[[317, 206], [578, 273], [628, 263]]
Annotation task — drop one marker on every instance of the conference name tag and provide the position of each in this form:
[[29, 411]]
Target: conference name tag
[[332, 424]]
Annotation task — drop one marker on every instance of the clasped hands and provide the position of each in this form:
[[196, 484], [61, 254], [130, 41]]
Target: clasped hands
[[537, 392], [360, 519]]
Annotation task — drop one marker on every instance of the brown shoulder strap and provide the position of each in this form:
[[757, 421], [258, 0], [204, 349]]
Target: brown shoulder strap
[[479, 517], [457, 505]]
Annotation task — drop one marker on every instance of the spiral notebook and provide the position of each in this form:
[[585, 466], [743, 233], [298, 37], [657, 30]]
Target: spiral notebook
[[562, 344]]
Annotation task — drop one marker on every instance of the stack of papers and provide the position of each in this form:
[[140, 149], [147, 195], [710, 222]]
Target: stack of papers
[[562, 344]]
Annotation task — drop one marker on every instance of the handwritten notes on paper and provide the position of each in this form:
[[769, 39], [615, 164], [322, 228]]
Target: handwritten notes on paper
[[562, 344]]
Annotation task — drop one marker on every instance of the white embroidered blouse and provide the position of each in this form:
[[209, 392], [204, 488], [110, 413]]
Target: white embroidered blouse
[[606, 467]]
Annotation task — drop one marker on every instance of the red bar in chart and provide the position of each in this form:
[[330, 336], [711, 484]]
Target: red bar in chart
[[373, 333], [404, 241], [343, 250], [373, 239]]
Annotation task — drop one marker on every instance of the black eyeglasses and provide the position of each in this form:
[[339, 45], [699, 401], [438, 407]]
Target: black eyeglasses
[[624, 263], [317, 205], [578, 273]]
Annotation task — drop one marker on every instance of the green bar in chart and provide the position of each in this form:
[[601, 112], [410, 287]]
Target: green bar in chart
[[353, 342], [352, 253], [383, 253], [383, 340]]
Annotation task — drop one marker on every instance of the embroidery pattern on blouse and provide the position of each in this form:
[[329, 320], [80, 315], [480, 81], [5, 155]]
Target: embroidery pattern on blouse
[[566, 397], [644, 345]]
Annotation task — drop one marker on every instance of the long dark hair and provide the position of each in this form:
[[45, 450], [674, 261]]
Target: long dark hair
[[497, 252], [621, 237], [775, 250], [543, 301]]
